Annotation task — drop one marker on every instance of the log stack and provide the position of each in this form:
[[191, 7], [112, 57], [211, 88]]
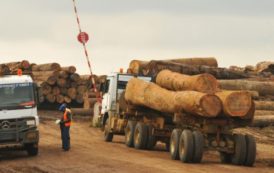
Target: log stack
[[58, 84]]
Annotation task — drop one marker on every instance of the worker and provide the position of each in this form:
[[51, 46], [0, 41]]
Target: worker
[[65, 124]]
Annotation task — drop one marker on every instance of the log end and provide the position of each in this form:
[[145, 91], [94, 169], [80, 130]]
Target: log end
[[211, 105]]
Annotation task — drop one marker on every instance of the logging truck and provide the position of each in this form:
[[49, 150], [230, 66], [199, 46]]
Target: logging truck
[[186, 135], [18, 114]]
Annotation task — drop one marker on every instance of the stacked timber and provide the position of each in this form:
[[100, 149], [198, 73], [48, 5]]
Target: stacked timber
[[152, 68], [234, 103], [141, 93]]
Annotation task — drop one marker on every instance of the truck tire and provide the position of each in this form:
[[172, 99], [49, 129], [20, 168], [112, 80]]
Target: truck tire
[[129, 133], [239, 156], [198, 146], [140, 136], [32, 149], [225, 157], [108, 136], [151, 140], [250, 150], [174, 144], [186, 146]]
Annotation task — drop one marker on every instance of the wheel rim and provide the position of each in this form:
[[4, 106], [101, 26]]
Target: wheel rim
[[137, 137], [127, 134], [172, 145], [182, 148]]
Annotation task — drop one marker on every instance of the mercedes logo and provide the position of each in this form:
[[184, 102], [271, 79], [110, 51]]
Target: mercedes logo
[[5, 124]]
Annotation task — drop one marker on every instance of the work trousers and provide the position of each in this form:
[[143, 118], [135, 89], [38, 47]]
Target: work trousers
[[65, 136]]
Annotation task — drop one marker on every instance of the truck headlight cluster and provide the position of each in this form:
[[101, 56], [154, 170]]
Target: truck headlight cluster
[[31, 122]]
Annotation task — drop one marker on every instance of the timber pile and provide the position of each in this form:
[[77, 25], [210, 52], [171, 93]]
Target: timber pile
[[58, 84], [233, 87]]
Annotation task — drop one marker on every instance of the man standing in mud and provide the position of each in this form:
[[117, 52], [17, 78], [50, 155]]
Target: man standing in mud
[[65, 124]]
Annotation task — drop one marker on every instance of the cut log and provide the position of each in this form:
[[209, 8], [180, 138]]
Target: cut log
[[263, 112], [79, 98], [264, 105], [69, 69], [141, 93], [14, 66], [264, 88], [46, 88], [64, 91], [60, 99], [56, 91], [4, 69], [44, 74], [136, 65], [67, 99], [75, 77], [81, 111], [82, 89], [235, 103], [205, 83], [61, 82], [72, 93], [263, 121], [51, 98], [47, 67], [154, 67], [265, 66], [73, 85], [52, 80], [63, 74]]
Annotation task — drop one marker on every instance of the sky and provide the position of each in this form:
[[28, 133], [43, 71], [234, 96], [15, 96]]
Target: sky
[[236, 32]]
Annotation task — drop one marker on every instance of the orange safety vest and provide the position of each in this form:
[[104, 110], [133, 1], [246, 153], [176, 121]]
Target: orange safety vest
[[67, 124]]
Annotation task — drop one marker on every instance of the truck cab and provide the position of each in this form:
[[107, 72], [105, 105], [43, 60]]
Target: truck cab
[[18, 113], [112, 90]]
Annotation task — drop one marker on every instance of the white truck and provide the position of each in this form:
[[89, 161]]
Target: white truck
[[118, 118], [18, 114], [186, 137]]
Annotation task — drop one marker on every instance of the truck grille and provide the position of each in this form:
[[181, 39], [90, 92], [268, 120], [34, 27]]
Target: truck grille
[[9, 125]]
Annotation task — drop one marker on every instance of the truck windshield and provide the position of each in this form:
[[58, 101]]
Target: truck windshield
[[16, 96]]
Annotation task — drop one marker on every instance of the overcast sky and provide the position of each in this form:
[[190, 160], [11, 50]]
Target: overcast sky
[[236, 32]]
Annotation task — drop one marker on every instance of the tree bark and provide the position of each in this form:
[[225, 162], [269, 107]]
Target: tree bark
[[264, 105], [235, 103], [136, 65], [263, 121], [67, 99], [141, 93], [56, 91], [47, 67], [69, 69], [263, 112], [154, 67], [205, 83], [264, 88]]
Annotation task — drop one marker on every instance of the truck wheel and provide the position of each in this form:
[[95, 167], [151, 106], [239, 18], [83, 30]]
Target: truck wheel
[[140, 136], [225, 157], [239, 156], [151, 138], [174, 144], [198, 146], [32, 149], [108, 136], [250, 150], [186, 146], [129, 133]]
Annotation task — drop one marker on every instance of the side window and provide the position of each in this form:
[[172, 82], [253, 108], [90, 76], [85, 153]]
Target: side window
[[104, 87]]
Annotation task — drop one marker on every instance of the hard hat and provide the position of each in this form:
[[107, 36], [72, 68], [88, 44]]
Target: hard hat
[[62, 107]]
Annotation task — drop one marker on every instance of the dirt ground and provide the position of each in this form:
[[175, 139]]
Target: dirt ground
[[90, 153]]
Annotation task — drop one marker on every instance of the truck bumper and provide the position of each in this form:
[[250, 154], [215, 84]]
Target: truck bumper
[[26, 137]]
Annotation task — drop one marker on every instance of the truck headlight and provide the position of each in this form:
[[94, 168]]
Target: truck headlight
[[31, 122]]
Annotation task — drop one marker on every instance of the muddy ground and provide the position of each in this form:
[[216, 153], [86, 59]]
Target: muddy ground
[[90, 153]]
